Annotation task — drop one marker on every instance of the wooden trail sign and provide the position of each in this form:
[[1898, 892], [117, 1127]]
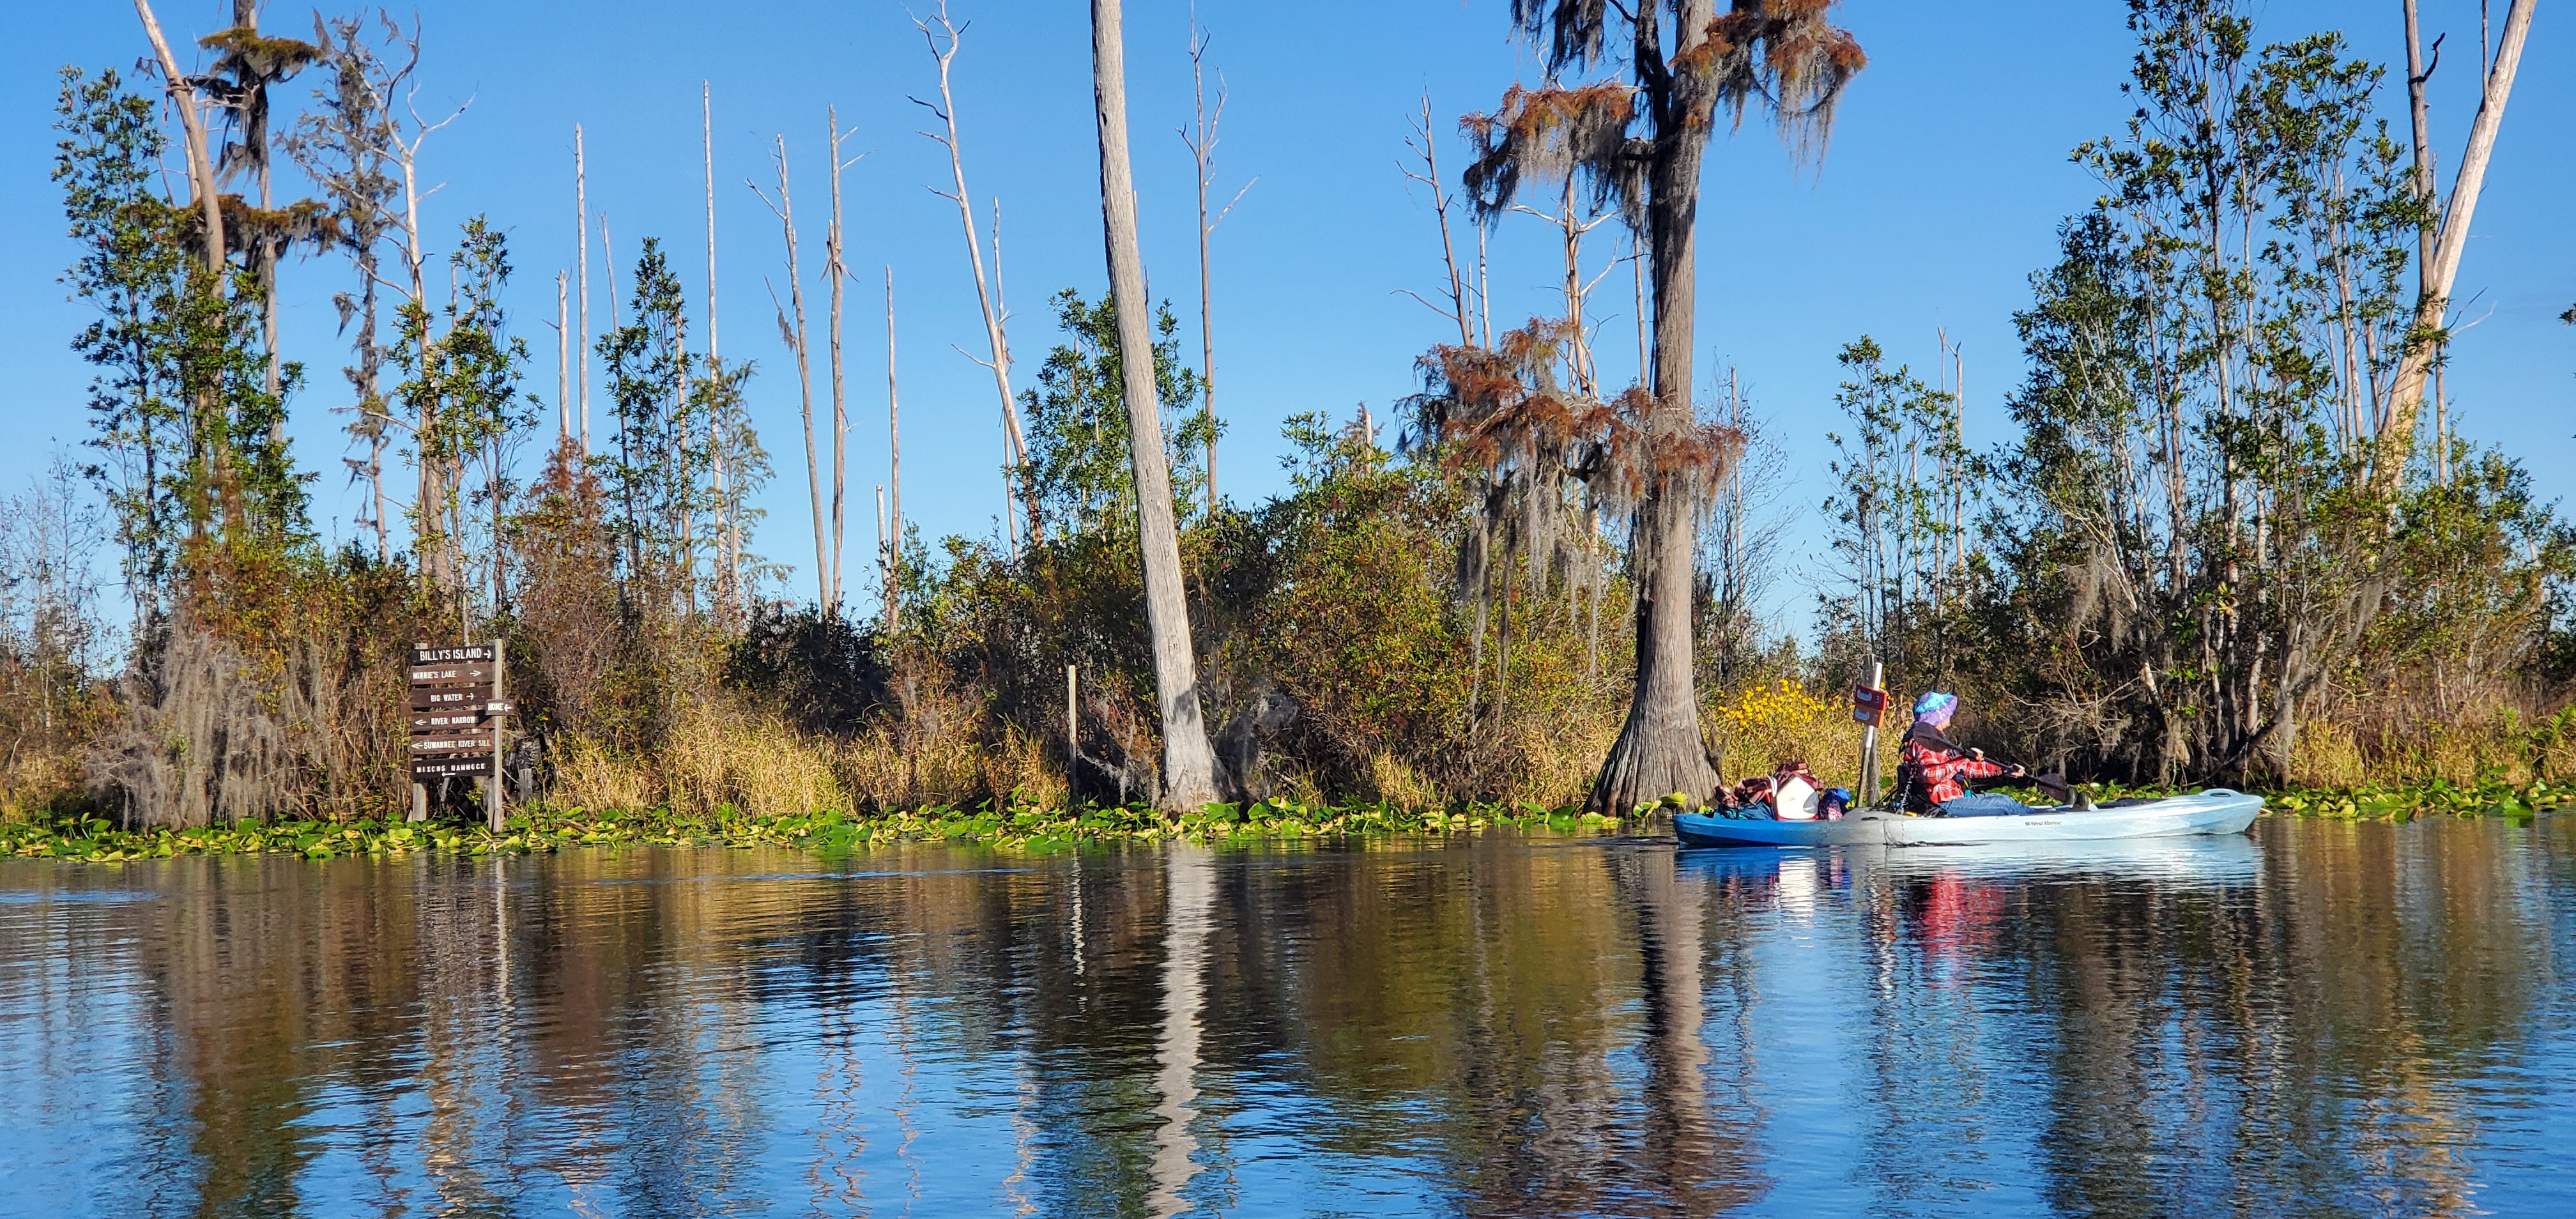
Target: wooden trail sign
[[458, 720], [1869, 706]]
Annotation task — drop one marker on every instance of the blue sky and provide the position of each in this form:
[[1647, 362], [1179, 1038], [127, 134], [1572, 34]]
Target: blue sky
[[1946, 178]]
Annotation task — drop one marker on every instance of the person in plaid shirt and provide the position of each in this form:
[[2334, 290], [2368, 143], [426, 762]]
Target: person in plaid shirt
[[1936, 772]]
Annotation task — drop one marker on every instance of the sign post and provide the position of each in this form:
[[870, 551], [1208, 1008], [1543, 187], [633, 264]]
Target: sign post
[[497, 712], [457, 718], [1869, 706]]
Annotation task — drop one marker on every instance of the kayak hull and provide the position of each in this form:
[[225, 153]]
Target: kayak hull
[[2217, 811]]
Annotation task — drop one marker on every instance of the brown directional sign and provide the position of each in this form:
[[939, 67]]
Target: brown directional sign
[[455, 701], [458, 720], [439, 676], [463, 742], [456, 717], [462, 719]]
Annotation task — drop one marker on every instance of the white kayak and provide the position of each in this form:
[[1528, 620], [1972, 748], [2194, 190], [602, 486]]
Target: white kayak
[[2216, 811]]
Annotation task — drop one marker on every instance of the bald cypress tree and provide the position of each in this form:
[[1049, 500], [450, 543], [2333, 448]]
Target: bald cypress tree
[[1632, 95]]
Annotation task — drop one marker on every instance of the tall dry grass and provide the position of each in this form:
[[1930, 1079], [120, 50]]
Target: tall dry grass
[[718, 752], [2491, 743]]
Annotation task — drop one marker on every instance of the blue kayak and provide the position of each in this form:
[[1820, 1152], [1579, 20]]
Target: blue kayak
[[2216, 811]]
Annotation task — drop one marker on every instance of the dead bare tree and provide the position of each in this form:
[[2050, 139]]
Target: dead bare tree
[[1424, 142], [201, 166], [1200, 137], [207, 196], [894, 473], [345, 145], [885, 566], [794, 336], [719, 390], [720, 446], [1745, 530], [367, 155], [707, 139], [1571, 229], [1189, 770], [2439, 273], [563, 358], [1645, 318], [838, 272], [581, 211], [943, 41], [433, 543], [1639, 137]]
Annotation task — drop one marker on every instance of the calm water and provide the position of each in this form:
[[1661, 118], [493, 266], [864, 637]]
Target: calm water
[[2318, 1020]]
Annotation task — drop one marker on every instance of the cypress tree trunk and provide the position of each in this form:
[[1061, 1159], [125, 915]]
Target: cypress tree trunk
[[1189, 771], [1659, 751]]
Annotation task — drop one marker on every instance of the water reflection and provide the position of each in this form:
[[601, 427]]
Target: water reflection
[[2328, 1020], [1189, 886]]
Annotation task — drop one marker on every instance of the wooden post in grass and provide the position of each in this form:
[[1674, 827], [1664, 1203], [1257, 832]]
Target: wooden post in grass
[[1072, 732], [419, 790], [495, 799]]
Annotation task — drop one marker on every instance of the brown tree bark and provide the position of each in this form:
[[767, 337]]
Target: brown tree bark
[[1659, 751], [1189, 771]]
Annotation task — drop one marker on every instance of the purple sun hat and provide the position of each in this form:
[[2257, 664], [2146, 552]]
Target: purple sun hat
[[1935, 708]]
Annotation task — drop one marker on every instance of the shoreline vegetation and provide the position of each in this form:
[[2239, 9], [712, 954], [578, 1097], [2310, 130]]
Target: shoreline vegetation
[[2225, 531], [544, 829]]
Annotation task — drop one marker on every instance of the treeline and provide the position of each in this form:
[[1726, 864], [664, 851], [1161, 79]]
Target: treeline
[[2235, 539], [2237, 536]]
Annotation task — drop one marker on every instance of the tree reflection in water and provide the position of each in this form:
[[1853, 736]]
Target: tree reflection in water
[[1189, 887], [2331, 1020]]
